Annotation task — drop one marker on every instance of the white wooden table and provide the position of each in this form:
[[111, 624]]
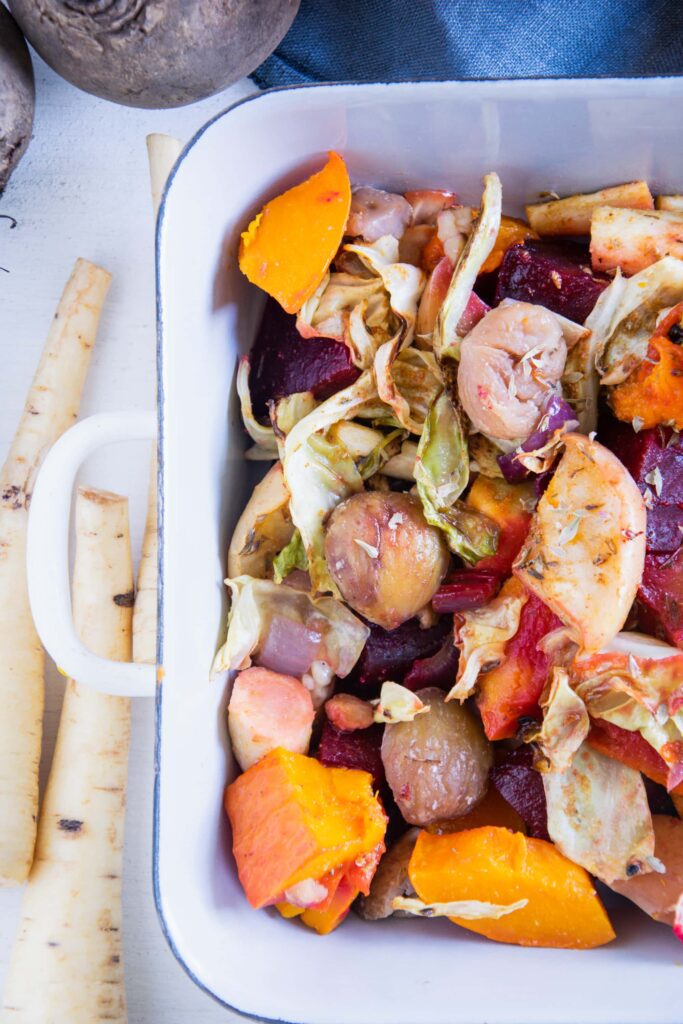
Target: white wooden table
[[82, 189]]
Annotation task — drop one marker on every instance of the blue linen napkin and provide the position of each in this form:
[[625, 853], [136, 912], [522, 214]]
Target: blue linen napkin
[[412, 40]]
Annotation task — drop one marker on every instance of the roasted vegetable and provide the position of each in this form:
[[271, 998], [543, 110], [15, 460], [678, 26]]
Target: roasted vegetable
[[560, 907], [511, 690], [493, 809], [572, 215], [391, 879], [437, 765], [462, 591], [557, 276], [384, 557], [308, 220], [17, 96], [283, 363], [658, 892], [509, 506], [293, 819], [268, 710], [634, 239], [521, 786], [510, 232], [653, 393], [391, 655], [586, 567], [360, 748], [263, 529], [155, 55], [631, 749]]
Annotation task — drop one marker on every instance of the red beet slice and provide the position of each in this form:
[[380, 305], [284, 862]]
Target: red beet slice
[[521, 785], [657, 797], [556, 275], [361, 748], [390, 655], [655, 460], [465, 590], [282, 362], [439, 670]]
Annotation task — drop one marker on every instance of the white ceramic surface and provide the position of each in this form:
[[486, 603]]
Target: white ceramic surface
[[543, 135]]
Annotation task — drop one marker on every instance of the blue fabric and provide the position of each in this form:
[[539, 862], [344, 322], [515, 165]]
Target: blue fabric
[[412, 40]]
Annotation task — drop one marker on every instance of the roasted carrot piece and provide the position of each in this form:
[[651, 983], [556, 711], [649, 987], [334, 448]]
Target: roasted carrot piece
[[289, 245], [497, 866]]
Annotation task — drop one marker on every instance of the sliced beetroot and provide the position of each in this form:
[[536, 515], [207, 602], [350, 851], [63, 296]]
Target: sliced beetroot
[[521, 785], [465, 590], [556, 275], [390, 655], [283, 363], [554, 414], [359, 749], [439, 670], [655, 460]]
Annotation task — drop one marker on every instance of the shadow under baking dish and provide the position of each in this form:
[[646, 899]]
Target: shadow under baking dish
[[543, 135]]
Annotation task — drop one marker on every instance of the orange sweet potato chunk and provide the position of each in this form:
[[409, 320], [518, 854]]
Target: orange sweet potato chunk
[[654, 391], [511, 230], [290, 244], [498, 866], [293, 818]]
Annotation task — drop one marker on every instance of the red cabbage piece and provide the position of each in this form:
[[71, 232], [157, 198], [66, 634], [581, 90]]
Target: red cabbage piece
[[283, 363], [466, 589], [556, 275], [554, 413], [521, 785], [390, 655], [655, 460], [439, 670]]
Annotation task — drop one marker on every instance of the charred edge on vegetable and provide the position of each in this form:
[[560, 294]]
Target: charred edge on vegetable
[[126, 600], [70, 825]]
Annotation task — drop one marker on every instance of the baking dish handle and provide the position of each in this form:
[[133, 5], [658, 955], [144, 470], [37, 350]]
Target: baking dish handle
[[47, 555]]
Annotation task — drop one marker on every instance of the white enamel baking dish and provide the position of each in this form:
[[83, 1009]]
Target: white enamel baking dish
[[539, 135]]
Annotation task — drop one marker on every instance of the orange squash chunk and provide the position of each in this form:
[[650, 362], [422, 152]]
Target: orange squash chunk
[[293, 818], [654, 391], [498, 866], [511, 230], [290, 244], [492, 810]]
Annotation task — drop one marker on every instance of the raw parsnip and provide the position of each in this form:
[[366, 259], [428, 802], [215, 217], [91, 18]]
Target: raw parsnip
[[67, 961], [51, 406], [163, 151]]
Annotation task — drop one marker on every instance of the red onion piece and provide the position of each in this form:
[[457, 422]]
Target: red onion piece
[[554, 414], [464, 590], [289, 647]]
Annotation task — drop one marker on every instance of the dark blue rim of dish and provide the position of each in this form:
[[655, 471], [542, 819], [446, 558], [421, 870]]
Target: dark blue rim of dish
[[246, 1015]]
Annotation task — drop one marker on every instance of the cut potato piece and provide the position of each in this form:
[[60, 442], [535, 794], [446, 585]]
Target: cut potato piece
[[263, 529], [672, 203], [572, 216], [634, 239], [585, 551]]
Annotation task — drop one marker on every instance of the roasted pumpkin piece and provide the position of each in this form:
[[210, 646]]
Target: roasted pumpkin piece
[[510, 231], [289, 245], [492, 810], [653, 393], [510, 507], [495, 865], [294, 819]]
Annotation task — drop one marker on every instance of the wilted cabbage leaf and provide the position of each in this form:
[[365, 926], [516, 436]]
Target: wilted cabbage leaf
[[475, 253], [625, 316], [320, 472], [263, 436], [398, 704], [466, 910], [598, 816], [442, 472], [565, 723], [483, 634], [408, 381], [292, 556], [643, 695], [306, 630]]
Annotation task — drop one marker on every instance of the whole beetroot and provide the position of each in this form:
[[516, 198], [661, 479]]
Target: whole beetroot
[[17, 96], [158, 53]]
